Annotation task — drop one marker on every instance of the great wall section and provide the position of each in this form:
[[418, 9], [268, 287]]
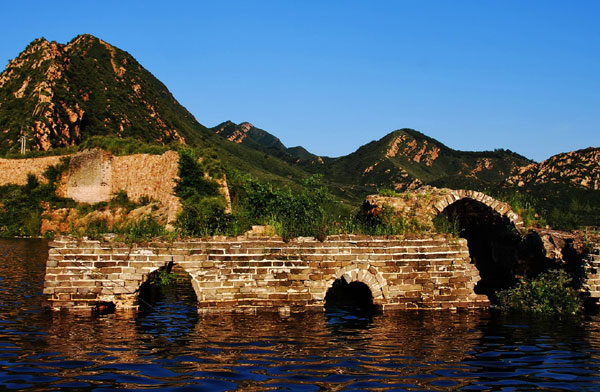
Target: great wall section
[[427, 271], [95, 175], [249, 274]]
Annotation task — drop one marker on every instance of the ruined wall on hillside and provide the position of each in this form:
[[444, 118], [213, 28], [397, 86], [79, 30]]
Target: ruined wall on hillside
[[14, 171], [89, 177], [148, 175], [96, 175]]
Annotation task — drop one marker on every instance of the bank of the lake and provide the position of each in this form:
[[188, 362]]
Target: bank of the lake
[[168, 346]]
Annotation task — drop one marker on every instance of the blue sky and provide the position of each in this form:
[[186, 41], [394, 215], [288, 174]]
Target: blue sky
[[334, 75]]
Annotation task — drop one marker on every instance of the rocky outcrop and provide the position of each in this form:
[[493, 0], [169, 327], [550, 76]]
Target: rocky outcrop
[[411, 149], [580, 169], [73, 220], [256, 138]]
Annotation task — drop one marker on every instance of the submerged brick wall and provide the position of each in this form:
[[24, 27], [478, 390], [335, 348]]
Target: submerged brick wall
[[592, 267], [247, 274]]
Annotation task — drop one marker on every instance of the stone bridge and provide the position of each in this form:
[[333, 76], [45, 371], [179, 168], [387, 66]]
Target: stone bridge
[[249, 274], [429, 271], [425, 203]]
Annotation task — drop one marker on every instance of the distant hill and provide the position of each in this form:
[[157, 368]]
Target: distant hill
[[258, 139], [406, 159], [400, 160]]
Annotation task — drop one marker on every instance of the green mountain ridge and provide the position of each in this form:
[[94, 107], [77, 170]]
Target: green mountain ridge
[[401, 160], [61, 96]]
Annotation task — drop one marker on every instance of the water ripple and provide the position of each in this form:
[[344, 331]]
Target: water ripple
[[169, 347]]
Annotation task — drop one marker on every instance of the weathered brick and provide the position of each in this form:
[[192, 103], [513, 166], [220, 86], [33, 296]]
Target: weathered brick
[[262, 271]]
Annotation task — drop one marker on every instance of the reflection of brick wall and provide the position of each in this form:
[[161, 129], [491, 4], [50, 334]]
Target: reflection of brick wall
[[14, 171], [267, 273]]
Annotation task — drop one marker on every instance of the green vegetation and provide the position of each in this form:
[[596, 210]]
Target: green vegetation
[[21, 207], [203, 207], [388, 192], [308, 209], [548, 293], [300, 212], [558, 206], [126, 110], [384, 223], [443, 224], [143, 229], [119, 200], [165, 278], [523, 204]]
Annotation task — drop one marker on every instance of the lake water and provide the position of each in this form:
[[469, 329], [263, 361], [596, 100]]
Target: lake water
[[168, 346]]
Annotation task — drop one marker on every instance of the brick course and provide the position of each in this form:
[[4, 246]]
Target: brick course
[[248, 274]]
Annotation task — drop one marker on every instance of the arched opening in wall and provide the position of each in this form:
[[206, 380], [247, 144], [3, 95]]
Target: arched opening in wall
[[354, 296], [493, 242], [168, 302]]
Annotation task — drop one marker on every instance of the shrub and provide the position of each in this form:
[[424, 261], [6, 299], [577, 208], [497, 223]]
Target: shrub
[[203, 216], [121, 199], [203, 207], [382, 222], [165, 278], [95, 228], [548, 293], [443, 224], [22, 206], [304, 211], [192, 181], [141, 230]]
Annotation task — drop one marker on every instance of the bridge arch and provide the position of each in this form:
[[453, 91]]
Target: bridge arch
[[148, 275], [365, 274], [502, 209], [493, 233]]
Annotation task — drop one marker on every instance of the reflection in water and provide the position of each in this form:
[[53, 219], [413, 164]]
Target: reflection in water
[[167, 304], [169, 346]]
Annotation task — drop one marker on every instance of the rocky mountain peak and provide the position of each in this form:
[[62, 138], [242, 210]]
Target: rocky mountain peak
[[419, 150], [58, 95]]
